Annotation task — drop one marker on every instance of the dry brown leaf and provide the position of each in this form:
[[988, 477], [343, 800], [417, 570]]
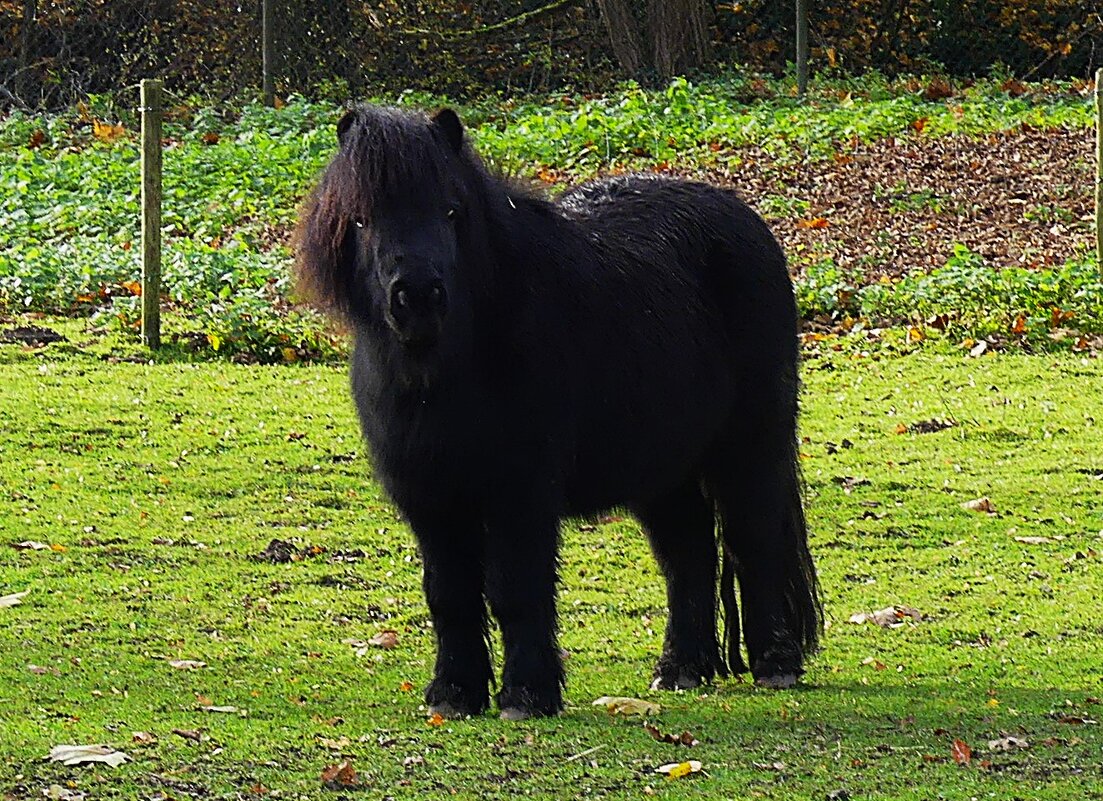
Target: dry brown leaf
[[388, 638], [31, 545], [106, 132], [961, 753], [984, 505], [685, 738], [341, 776], [890, 617]]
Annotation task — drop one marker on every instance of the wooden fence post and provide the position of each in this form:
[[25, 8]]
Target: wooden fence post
[[802, 47], [1099, 169], [151, 212], [266, 36]]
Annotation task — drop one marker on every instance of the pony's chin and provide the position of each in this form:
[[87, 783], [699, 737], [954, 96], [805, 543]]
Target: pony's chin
[[420, 348]]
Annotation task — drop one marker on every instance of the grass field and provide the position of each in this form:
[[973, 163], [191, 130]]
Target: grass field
[[155, 487]]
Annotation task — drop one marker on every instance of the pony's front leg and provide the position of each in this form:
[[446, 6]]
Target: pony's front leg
[[453, 584], [521, 556]]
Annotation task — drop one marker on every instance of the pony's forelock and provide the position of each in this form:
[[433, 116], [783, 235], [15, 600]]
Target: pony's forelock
[[386, 156]]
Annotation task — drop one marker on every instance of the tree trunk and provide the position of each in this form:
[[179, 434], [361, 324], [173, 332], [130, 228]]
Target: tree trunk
[[624, 34], [679, 33], [26, 48], [666, 37]]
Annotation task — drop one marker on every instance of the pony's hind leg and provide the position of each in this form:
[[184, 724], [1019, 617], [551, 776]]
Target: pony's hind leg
[[453, 584], [680, 527]]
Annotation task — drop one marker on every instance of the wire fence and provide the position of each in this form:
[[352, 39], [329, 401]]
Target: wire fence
[[56, 52]]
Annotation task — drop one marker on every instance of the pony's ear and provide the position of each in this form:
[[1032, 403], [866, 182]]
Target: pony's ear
[[344, 124], [448, 123]]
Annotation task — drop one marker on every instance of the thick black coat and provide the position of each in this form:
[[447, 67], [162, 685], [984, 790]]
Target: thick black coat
[[518, 361]]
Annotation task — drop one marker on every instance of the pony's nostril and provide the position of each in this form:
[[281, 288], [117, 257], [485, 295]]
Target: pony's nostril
[[436, 294], [401, 298]]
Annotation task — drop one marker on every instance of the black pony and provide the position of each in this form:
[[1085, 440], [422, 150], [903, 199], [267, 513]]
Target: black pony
[[519, 361]]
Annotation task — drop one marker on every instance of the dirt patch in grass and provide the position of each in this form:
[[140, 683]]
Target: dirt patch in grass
[[899, 205]]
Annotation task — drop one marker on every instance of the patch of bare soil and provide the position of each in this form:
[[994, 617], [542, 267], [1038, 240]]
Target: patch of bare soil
[[897, 206]]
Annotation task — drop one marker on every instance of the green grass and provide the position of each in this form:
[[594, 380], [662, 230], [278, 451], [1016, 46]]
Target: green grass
[[160, 481]]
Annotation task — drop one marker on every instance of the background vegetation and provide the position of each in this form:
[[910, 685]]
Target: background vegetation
[[55, 53]]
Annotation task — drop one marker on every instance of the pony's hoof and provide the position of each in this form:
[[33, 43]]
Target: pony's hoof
[[781, 681], [515, 713], [448, 711], [682, 680]]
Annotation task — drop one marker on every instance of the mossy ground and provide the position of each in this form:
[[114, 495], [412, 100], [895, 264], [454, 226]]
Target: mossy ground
[[159, 482]]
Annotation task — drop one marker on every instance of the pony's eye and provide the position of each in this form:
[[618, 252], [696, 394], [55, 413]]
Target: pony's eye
[[402, 298], [451, 213], [359, 223]]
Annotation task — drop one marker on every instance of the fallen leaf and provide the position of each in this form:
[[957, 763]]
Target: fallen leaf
[[978, 349], [980, 505], [436, 719], [341, 776], [1007, 744], [890, 617], [814, 223], [13, 599], [388, 638], [1034, 540], [55, 792], [79, 754], [228, 710], [188, 734], [187, 664], [685, 738], [211, 138], [106, 132], [877, 663], [619, 705], [334, 745], [406, 686], [676, 770], [937, 89], [37, 138], [31, 545], [143, 738], [961, 752]]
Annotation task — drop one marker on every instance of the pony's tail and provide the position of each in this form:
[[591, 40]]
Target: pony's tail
[[802, 587], [765, 554], [730, 606]]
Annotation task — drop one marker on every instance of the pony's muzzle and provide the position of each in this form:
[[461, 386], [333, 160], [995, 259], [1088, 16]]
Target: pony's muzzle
[[416, 309]]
